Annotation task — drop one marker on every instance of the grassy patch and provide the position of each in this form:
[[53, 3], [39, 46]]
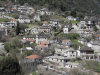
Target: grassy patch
[[75, 22], [1, 57], [94, 65], [34, 73], [77, 61], [32, 26], [96, 52], [54, 32], [4, 20], [58, 17], [11, 28]]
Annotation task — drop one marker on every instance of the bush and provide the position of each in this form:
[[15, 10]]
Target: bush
[[10, 66]]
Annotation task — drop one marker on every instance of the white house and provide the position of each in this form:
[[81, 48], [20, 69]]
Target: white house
[[22, 8], [67, 29], [95, 44], [71, 65], [36, 17], [70, 18], [23, 19], [60, 60], [83, 23], [44, 11], [82, 41], [66, 52]]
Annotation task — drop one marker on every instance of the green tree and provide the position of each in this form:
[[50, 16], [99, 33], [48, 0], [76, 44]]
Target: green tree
[[73, 13], [17, 30], [7, 47], [17, 42], [81, 16], [95, 28], [10, 66], [67, 13]]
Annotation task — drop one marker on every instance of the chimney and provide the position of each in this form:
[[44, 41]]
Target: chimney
[[79, 47]]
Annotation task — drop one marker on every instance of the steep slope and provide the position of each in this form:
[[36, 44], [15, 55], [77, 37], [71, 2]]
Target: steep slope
[[85, 6]]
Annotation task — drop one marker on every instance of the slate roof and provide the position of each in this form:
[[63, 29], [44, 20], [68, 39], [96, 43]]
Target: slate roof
[[54, 20], [71, 49], [96, 42], [98, 32], [23, 17], [67, 43], [30, 36], [42, 35], [32, 57], [57, 57], [86, 48]]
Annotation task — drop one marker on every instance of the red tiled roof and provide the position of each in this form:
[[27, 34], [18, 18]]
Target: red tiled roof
[[32, 10], [14, 20], [41, 45], [44, 22], [44, 42], [32, 57], [66, 40], [98, 36], [32, 40], [13, 8]]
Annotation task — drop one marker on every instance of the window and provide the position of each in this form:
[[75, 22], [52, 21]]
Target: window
[[72, 52], [70, 55], [60, 60]]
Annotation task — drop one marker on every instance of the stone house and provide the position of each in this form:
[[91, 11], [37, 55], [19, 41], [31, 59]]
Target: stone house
[[46, 29], [44, 11], [24, 49], [66, 52], [60, 60], [67, 43], [82, 41], [54, 22], [14, 21], [95, 44], [8, 24], [86, 53], [42, 45], [29, 63], [42, 37], [33, 30], [23, 19]]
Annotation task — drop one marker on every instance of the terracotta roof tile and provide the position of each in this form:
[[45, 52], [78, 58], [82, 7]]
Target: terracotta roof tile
[[44, 42], [66, 40], [44, 22], [41, 45], [32, 57], [32, 10], [13, 8], [31, 40], [14, 20]]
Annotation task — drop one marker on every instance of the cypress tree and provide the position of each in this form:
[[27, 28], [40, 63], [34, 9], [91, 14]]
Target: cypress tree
[[17, 30]]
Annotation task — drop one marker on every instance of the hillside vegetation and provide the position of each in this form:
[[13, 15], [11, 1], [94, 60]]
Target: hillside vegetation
[[85, 6]]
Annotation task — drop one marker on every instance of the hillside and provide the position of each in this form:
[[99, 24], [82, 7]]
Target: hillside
[[84, 6]]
